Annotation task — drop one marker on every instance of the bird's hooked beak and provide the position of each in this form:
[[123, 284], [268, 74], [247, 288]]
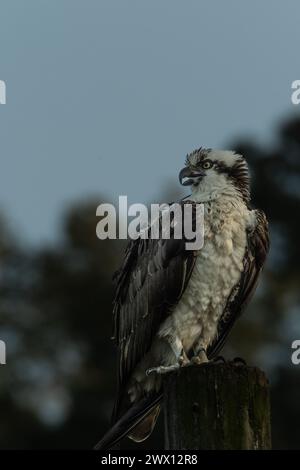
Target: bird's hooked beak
[[187, 176]]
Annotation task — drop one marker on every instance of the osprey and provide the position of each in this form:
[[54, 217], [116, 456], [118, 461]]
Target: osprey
[[175, 307]]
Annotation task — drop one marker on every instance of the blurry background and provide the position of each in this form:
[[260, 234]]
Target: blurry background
[[105, 98]]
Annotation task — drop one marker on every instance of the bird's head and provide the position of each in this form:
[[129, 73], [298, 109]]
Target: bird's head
[[212, 173]]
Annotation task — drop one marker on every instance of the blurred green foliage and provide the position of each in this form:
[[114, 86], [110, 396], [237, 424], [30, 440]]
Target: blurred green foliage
[[58, 386]]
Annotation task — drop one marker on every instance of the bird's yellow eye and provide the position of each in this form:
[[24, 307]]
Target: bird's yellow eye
[[207, 164]]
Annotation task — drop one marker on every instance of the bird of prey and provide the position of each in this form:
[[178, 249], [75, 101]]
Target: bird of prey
[[174, 307]]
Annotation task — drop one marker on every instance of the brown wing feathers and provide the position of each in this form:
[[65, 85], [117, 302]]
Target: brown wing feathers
[[150, 283]]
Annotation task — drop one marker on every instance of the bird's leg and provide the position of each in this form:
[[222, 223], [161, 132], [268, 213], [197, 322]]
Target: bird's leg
[[200, 355], [182, 361], [163, 369]]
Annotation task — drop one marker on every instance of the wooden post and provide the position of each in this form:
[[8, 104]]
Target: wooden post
[[217, 406]]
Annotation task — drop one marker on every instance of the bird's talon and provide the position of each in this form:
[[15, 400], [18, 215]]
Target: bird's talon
[[196, 360], [200, 357], [149, 371], [162, 369], [181, 361]]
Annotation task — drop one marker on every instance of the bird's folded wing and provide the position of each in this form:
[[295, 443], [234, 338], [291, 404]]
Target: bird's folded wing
[[149, 284]]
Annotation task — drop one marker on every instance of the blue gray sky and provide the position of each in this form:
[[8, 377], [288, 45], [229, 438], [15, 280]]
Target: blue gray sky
[[107, 97]]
